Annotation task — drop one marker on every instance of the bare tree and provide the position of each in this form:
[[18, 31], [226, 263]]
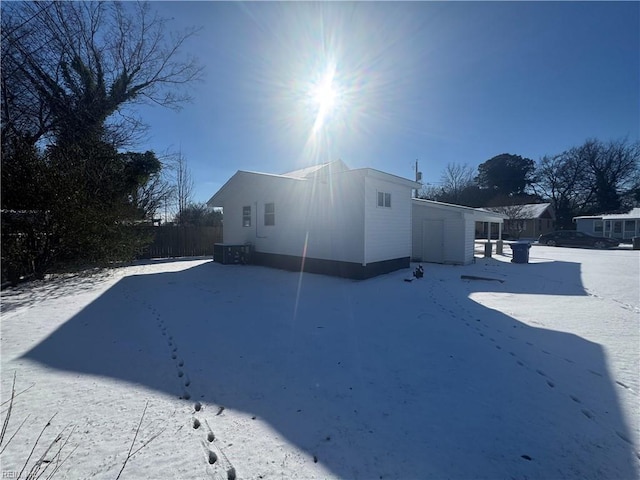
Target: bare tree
[[183, 184], [70, 69], [455, 178], [594, 178], [515, 223]]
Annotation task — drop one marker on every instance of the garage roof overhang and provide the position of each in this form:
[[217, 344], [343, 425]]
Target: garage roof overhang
[[477, 214]]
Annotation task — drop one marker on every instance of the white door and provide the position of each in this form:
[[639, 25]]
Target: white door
[[433, 241]]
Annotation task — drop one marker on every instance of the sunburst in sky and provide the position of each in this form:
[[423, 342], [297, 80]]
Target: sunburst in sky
[[324, 95], [383, 84]]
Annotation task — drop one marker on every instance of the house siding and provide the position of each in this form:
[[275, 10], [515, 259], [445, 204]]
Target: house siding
[[623, 227], [334, 218], [455, 244], [387, 230], [454, 236], [469, 241], [317, 218]]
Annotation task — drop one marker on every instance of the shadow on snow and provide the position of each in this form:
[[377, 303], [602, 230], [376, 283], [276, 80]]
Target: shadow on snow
[[418, 381]]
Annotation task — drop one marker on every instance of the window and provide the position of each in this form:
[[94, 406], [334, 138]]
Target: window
[[246, 216], [617, 227], [597, 226], [384, 199], [629, 225], [269, 213]]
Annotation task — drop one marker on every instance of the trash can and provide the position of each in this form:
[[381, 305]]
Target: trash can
[[520, 252]]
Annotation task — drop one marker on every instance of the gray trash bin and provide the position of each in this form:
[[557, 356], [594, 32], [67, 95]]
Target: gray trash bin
[[520, 252]]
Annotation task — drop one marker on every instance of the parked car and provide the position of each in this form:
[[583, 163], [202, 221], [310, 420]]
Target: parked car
[[571, 238]]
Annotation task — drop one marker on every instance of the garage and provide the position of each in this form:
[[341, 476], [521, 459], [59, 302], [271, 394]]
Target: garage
[[445, 233]]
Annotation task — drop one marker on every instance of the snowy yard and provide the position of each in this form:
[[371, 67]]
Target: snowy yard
[[532, 374]]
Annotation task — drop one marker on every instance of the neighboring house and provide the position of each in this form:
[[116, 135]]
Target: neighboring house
[[322, 219], [623, 226], [445, 233], [527, 221]]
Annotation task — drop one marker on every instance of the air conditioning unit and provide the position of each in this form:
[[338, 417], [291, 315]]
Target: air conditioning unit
[[228, 254]]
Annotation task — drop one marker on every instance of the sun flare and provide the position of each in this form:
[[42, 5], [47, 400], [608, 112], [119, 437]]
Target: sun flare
[[324, 96]]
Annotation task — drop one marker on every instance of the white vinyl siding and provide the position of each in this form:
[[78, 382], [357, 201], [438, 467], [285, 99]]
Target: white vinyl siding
[[457, 242], [335, 218], [387, 229]]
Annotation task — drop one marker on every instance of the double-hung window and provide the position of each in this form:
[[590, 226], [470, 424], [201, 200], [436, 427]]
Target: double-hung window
[[269, 213], [246, 216], [384, 199]]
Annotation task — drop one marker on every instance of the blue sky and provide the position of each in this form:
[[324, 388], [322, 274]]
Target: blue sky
[[450, 82]]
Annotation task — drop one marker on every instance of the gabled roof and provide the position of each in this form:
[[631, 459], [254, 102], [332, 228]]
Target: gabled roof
[[323, 168], [308, 174], [217, 199]]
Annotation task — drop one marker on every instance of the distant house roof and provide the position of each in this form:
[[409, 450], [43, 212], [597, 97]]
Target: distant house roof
[[633, 214], [526, 211]]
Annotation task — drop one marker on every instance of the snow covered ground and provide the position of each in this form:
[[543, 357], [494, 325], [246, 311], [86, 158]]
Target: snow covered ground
[[265, 374]]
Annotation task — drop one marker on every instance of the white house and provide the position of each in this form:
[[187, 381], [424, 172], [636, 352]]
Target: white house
[[323, 219], [623, 226], [445, 233]]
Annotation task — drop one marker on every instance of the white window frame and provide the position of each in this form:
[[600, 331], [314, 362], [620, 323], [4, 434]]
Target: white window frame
[[384, 199], [246, 217], [270, 216]]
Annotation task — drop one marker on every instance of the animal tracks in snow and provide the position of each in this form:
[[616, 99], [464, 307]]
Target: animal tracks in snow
[[217, 463]]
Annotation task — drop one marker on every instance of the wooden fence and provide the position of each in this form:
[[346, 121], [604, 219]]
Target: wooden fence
[[175, 241]]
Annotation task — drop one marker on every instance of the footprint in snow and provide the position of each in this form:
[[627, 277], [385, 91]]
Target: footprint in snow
[[623, 437]]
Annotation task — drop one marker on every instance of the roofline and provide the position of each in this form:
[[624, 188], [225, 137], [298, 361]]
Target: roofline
[[211, 201], [380, 173], [453, 206]]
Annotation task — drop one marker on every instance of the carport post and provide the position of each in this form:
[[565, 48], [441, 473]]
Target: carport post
[[488, 247], [499, 247]]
